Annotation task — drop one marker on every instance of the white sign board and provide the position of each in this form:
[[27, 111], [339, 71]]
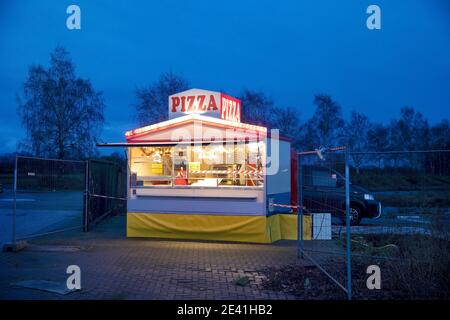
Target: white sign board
[[205, 102], [321, 226]]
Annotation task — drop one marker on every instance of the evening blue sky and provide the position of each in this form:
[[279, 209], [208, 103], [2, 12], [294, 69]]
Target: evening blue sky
[[290, 50]]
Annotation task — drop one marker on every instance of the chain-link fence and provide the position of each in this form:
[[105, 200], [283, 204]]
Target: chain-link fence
[[47, 197], [324, 197], [51, 196], [397, 205], [409, 241]]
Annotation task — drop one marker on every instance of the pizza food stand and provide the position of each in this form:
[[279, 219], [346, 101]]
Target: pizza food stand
[[202, 174]]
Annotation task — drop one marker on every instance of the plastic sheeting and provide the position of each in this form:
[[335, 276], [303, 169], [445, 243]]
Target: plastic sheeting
[[258, 229]]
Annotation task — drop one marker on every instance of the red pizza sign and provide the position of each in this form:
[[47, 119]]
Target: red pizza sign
[[209, 103], [230, 108]]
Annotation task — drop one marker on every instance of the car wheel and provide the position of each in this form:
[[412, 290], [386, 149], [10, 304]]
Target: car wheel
[[355, 216]]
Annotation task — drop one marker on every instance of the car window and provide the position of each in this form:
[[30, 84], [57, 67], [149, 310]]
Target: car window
[[322, 178]]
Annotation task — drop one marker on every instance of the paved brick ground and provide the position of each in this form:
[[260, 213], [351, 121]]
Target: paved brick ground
[[114, 267]]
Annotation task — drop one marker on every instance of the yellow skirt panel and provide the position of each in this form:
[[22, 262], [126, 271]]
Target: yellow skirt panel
[[258, 229], [200, 227]]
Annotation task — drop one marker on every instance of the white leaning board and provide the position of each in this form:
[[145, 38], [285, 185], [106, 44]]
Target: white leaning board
[[322, 226]]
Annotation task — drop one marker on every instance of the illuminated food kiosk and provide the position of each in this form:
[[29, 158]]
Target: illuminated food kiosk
[[203, 174]]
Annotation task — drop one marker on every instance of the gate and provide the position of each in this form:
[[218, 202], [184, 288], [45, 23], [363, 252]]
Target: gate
[[105, 191], [51, 196]]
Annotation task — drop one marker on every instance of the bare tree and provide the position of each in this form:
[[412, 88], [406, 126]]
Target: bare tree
[[440, 135], [378, 140], [287, 121], [152, 104], [440, 140], [356, 136], [326, 126], [62, 114], [409, 132], [257, 109]]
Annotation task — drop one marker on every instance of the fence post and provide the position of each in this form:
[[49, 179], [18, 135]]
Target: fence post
[[300, 208], [14, 235], [86, 199], [347, 226]]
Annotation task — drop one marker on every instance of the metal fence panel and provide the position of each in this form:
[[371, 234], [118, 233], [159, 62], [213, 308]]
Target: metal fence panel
[[106, 191], [410, 240], [52, 195], [47, 197], [323, 190]]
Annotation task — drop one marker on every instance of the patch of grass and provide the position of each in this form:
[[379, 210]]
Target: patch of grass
[[304, 282], [44, 182], [413, 266], [399, 180], [420, 199], [242, 281], [417, 265], [6, 179]]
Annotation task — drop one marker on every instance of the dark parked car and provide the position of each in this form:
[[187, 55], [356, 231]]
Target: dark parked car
[[324, 191]]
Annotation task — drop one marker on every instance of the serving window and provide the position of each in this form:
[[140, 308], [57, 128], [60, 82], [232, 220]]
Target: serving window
[[214, 165]]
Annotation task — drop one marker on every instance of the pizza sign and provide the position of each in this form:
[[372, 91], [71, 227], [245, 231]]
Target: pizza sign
[[209, 103]]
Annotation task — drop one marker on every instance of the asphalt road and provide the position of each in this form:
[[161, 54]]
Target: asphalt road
[[39, 212]]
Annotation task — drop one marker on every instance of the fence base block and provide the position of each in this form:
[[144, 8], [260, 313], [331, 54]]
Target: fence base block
[[15, 247]]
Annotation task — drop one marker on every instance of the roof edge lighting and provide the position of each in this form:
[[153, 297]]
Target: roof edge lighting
[[205, 119]]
